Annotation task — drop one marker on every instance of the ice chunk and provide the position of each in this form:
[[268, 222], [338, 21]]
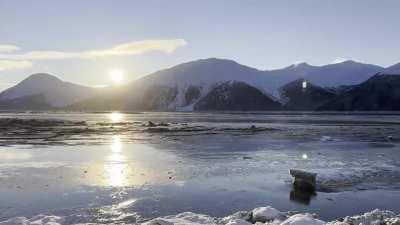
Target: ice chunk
[[326, 138], [370, 218], [263, 214], [302, 219], [37, 220], [186, 218], [242, 215]]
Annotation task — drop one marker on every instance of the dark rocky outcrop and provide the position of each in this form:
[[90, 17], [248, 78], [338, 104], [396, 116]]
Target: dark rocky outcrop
[[235, 95], [380, 93], [192, 94], [303, 180], [310, 97]]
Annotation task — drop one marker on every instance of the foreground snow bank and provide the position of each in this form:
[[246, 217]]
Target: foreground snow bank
[[375, 217], [258, 216], [37, 220], [270, 216]]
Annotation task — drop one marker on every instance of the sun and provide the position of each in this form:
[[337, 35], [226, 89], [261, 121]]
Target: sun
[[116, 76]]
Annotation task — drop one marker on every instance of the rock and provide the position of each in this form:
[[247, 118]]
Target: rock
[[151, 124], [302, 219], [303, 180], [162, 124], [264, 214], [157, 129]]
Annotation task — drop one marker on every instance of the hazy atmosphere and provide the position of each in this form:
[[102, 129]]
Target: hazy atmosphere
[[78, 40]]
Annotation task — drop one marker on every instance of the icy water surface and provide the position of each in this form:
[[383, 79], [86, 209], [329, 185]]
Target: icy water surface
[[119, 168]]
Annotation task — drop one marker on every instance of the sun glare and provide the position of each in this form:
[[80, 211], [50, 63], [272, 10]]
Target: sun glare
[[117, 76], [116, 117]]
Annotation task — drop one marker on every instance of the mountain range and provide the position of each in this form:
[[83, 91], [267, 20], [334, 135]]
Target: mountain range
[[220, 84]]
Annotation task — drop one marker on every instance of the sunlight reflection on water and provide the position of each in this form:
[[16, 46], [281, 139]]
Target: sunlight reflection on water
[[116, 117], [116, 169]]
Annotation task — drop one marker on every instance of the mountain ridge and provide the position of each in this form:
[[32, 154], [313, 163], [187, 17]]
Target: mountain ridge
[[58, 93], [181, 87]]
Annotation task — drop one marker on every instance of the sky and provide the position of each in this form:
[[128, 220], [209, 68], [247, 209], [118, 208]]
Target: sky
[[82, 41]]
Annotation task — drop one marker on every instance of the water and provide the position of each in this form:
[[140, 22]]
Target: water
[[116, 169]]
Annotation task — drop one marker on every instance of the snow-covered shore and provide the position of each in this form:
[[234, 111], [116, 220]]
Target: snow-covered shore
[[261, 215], [271, 216]]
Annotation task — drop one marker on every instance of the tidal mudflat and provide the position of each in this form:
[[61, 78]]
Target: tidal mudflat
[[120, 168]]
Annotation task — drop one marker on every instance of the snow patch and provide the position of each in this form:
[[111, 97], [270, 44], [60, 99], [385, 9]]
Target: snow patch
[[374, 217], [186, 218], [302, 219], [263, 214], [37, 220]]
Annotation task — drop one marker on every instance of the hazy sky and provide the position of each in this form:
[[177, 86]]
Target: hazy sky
[[81, 41]]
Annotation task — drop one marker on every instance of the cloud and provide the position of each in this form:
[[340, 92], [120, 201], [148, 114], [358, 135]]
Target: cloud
[[8, 48], [125, 49], [10, 64]]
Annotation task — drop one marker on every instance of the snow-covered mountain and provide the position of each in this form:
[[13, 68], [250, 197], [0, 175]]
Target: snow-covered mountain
[[52, 90], [183, 86], [331, 75], [205, 74], [394, 69]]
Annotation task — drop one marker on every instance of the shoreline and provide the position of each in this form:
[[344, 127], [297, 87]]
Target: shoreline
[[262, 215]]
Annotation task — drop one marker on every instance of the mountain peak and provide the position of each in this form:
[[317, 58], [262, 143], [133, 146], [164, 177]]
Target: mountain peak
[[43, 77], [349, 61], [394, 69], [300, 65], [211, 61], [53, 91]]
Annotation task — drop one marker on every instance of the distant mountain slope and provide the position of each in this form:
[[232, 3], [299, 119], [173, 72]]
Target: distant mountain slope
[[57, 93], [345, 73], [234, 95], [303, 95], [206, 73], [32, 102], [394, 69], [380, 92], [132, 97], [331, 75]]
